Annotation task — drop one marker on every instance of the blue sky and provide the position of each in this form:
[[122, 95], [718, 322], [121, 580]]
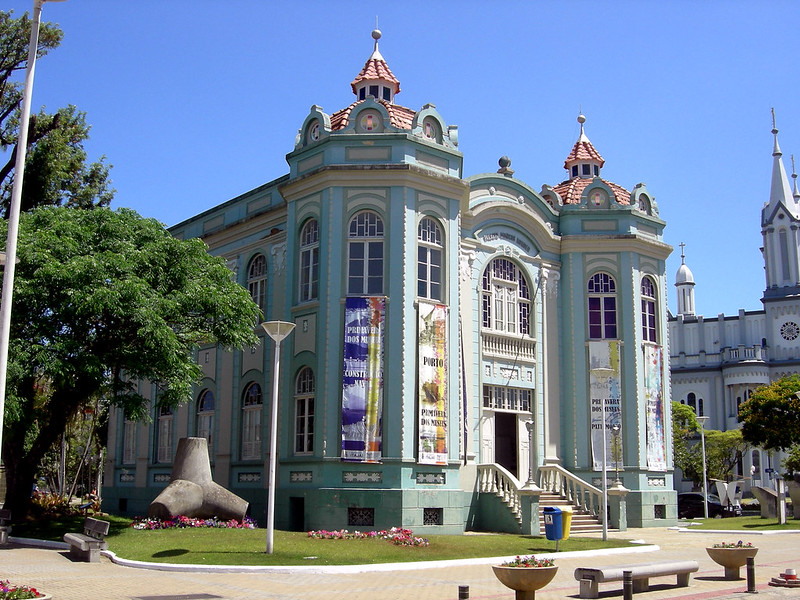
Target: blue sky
[[195, 102]]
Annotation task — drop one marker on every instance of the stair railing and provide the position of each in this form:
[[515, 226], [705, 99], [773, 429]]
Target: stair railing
[[495, 479], [555, 479]]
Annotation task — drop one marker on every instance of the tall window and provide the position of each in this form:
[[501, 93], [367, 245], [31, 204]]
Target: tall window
[[164, 450], [649, 310], [429, 259], [695, 403], [252, 405], [506, 298], [309, 261], [602, 307], [365, 260], [205, 416], [129, 442], [257, 281], [304, 412]]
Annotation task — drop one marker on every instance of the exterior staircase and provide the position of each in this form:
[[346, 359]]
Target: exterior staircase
[[559, 488], [582, 520]]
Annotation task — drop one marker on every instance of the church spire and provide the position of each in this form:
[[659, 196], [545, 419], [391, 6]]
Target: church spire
[[376, 78], [684, 284], [780, 192], [795, 192]]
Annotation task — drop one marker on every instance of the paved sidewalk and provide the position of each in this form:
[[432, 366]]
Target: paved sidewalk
[[53, 572]]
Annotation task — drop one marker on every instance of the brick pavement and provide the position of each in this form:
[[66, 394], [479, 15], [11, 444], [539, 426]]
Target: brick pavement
[[52, 571]]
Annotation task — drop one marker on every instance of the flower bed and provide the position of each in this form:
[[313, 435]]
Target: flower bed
[[529, 562], [396, 535], [18, 592], [183, 522]]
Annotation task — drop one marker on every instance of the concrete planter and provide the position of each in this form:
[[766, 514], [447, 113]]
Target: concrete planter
[[732, 559], [525, 580]]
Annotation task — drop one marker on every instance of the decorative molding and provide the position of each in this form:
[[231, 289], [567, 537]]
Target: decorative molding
[[279, 257], [432, 478], [254, 477], [657, 481], [127, 478], [301, 476], [161, 478], [466, 264], [362, 477]]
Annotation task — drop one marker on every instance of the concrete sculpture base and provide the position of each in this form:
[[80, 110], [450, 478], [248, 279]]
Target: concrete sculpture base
[[191, 491]]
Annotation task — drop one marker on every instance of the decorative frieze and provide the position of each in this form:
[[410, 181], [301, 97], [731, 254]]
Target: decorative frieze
[[431, 478], [254, 477], [362, 477], [301, 476]]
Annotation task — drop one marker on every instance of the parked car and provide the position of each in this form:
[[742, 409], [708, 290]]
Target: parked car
[[690, 506]]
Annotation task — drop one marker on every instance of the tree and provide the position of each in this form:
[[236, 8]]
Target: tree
[[771, 416], [687, 456], [57, 171], [102, 299]]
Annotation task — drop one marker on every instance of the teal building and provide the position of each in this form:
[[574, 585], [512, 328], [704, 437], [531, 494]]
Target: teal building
[[465, 346]]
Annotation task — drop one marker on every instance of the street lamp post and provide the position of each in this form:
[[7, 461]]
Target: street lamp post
[[605, 476], [702, 421], [16, 201], [277, 330]]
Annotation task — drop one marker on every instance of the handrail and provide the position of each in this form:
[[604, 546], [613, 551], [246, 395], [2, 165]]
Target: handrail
[[495, 479], [555, 479]]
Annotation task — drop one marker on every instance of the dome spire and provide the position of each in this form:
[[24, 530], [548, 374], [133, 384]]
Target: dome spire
[[684, 284], [583, 161], [795, 191], [376, 78]]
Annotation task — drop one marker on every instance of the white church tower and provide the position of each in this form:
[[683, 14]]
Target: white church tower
[[684, 283]]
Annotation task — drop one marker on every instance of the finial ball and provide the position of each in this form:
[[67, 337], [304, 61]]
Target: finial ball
[[376, 34], [504, 162], [581, 119]]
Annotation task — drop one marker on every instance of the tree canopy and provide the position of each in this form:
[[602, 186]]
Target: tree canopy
[[104, 298], [771, 416], [57, 168]]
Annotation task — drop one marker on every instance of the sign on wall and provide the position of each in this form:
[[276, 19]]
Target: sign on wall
[[432, 391], [656, 451], [605, 400], [362, 379]]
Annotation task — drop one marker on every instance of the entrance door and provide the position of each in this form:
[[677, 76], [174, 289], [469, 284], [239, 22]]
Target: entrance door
[[296, 513], [506, 444]]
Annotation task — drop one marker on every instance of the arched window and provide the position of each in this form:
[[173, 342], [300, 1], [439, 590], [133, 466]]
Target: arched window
[[602, 299], [252, 405], [304, 412], [257, 281], [309, 261], [649, 333], [365, 258], [164, 435], [506, 298], [695, 403], [429, 259], [205, 416]]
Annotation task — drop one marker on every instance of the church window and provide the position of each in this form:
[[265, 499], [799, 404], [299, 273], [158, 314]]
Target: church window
[[387, 93], [365, 260], [429, 259], [252, 407], [596, 171], [257, 280], [500, 397], [695, 403], [506, 298], [362, 93], [373, 91], [575, 171], [164, 435], [309, 261], [784, 245], [649, 333], [304, 412], [586, 169], [602, 302], [205, 416]]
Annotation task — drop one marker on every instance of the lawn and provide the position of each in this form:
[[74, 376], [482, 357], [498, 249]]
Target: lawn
[[749, 523], [215, 546]]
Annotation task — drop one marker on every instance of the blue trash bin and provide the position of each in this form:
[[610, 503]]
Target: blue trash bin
[[552, 523]]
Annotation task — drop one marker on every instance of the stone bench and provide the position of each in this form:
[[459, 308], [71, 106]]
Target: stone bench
[[591, 577], [5, 525], [86, 546]]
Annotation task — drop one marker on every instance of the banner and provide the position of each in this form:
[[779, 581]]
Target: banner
[[656, 452], [604, 394], [432, 384], [362, 379]]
